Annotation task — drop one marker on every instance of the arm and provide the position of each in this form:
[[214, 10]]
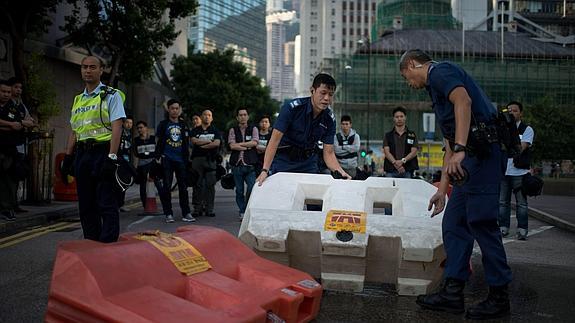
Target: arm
[[412, 154], [211, 144], [232, 141], [200, 142], [271, 150], [71, 143], [11, 125], [462, 110], [255, 138], [331, 161], [437, 201], [356, 145], [116, 136]]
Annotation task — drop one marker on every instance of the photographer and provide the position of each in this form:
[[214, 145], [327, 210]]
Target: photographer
[[517, 168]]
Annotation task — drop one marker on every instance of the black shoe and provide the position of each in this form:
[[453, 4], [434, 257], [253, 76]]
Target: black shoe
[[448, 299], [9, 215], [211, 214], [496, 305]]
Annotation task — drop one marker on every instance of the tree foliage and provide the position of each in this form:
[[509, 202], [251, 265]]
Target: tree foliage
[[216, 81], [551, 125], [42, 94], [133, 34], [20, 19]]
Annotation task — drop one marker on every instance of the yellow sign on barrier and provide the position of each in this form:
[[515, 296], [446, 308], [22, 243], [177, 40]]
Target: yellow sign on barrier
[[183, 255], [341, 220]]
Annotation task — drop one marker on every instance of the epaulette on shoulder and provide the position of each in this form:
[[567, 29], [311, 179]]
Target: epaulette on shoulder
[[330, 113], [295, 103]]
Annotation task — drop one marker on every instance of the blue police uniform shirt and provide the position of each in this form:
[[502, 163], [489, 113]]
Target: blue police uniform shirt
[[115, 102], [299, 127], [443, 78], [174, 140]]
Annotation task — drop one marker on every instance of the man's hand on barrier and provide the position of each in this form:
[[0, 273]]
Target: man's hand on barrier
[[262, 177], [66, 167], [437, 202]]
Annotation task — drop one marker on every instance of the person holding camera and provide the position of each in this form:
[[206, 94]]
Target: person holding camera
[[96, 119], [473, 159], [517, 168]]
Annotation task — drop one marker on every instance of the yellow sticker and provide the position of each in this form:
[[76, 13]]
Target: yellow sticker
[[340, 220], [182, 254]]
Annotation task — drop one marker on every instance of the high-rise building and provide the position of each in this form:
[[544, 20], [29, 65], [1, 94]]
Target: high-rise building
[[280, 73], [330, 29], [221, 24]]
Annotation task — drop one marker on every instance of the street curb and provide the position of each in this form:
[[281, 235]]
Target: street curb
[[49, 216], [551, 219]]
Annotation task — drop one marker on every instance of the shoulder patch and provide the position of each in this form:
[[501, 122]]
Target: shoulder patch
[[294, 103], [330, 113]]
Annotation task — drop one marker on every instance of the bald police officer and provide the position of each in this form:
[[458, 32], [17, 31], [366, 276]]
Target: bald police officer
[[474, 159]]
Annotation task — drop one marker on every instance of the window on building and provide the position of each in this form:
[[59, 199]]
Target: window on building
[[344, 18], [366, 18], [313, 27], [351, 5], [351, 18], [373, 6], [351, 44], [313, 40], [333, 11], [343, 43], [332, 24], [314, 3], [351, 31], [344, 5], [332, 36], [333, 50], [344, 31], [358, 31]]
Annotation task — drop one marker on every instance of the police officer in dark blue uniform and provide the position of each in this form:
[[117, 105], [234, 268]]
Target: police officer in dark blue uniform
[[474, 160], [300, 125]]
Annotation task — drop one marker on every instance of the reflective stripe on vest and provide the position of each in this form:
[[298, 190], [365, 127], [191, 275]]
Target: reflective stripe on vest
[[86, 120]]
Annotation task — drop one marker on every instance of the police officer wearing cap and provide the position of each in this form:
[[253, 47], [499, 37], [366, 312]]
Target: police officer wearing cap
[[300, 125], [96, 120], [473, 158]]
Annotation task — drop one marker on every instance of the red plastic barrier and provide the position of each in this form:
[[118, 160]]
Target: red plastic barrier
[[132, 281], [63, 191]]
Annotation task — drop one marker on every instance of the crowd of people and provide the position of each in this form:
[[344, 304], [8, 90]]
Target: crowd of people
[[303, 139]]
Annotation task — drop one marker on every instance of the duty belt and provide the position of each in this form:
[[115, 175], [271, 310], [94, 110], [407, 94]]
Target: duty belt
[[92, 144], [297, 153]]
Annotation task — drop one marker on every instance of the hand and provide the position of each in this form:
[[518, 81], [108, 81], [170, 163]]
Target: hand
[[17, 125], [261, 178], [66, 168], [397, 164], [401, 170], [108, 170], [454, 168], [344, 175], [437, 201]]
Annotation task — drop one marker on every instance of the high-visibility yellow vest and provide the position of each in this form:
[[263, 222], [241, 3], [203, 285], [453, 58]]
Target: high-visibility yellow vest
[[90, 116]]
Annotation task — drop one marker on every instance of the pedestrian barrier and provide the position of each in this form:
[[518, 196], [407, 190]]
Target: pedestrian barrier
[[351, 241], [151, 205], [199, 274], [63, 191]]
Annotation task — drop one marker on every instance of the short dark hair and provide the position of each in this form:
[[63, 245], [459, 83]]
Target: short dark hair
[[128, 116], [4, 82], [14, 80], [323, 78], [172, 101], [240, 109], [345, 117], [265, 116], [517, 104], [399, 109], [141, 122], [413, 55]]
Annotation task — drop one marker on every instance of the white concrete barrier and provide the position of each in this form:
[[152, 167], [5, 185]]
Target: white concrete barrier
[[404, 248]]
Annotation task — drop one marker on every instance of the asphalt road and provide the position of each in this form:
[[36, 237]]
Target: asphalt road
[[542, 290]]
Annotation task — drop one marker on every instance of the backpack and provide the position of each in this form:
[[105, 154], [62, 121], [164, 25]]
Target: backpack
[[531, 185]]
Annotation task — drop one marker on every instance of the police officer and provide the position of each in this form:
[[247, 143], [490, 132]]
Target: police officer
[[96, 121], [476, 162], [300, 125]]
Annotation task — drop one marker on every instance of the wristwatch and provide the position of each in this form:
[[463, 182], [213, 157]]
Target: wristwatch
[[265, 170], [457, 148], [403, 160], [113, 156]]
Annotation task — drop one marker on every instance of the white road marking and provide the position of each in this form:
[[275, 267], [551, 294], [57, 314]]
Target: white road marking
[[142, 220], [477, 250]]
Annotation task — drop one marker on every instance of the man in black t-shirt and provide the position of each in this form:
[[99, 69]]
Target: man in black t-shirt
[[206, 140], [144, 149]]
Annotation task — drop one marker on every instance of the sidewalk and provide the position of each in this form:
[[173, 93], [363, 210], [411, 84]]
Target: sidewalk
[[55, 211], [556, 210]]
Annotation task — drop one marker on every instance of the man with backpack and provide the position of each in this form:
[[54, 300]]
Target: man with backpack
[[517, 169]]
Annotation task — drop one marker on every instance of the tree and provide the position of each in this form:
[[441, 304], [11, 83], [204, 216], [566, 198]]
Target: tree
[[20, 19], [133, 34], [216, 81], [551, 124]]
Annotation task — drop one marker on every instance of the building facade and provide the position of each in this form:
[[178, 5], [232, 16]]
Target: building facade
[[221, 24], [280, 70]]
